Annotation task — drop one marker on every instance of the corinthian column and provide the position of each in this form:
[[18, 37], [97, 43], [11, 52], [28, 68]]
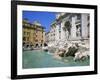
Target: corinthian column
[[73, 28], [84, 26], [63, 36]]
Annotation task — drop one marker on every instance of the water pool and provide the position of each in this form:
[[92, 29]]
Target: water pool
[[42, 59]]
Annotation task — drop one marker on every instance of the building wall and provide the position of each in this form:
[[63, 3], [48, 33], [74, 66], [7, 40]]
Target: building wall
[[84, 26], [47, 37], [28, 36], [39, 37], [33, 34], [79, 28]]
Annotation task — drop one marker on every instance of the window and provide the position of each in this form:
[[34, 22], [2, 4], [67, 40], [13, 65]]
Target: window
[[24, 38], [27, 38], [24, 33], [41, 40], [36, 35], [42, 36], [36, 40], [28, 33]]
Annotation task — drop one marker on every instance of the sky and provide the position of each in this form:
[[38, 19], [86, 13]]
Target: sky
[[45, 18]]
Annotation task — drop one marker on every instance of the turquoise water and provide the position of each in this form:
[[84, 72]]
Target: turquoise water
[[41, 59]]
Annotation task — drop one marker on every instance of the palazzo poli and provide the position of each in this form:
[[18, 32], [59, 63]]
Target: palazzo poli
[[69, 28]]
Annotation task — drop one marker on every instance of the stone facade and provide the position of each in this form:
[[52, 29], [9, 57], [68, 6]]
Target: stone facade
[[77, 32]]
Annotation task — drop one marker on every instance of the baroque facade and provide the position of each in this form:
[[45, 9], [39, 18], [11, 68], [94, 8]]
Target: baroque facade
[[33, 34], [72, 27]]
